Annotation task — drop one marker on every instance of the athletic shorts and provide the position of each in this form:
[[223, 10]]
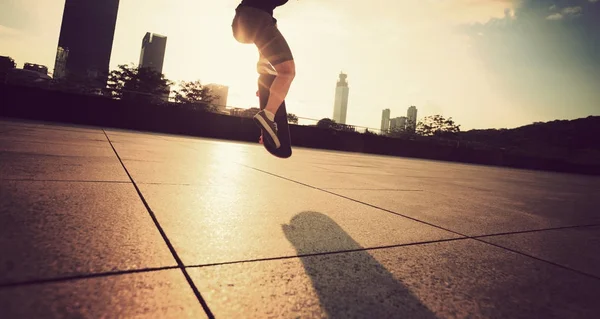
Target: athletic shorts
[[251, 25]]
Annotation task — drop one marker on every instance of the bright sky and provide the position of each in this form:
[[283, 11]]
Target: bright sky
[[485, 63]]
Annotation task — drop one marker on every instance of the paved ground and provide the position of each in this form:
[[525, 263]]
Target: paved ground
[[107, 223]]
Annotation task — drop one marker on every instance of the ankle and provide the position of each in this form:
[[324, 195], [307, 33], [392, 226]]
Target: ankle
[[270, 115]]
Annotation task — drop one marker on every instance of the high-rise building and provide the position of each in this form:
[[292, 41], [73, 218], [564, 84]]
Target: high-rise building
[[220, 93], [153, 51], [411, 114], [385, 120], [86, 39], [340, 105], [398, 123]]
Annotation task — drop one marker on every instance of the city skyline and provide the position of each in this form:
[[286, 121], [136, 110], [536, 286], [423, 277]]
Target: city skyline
[[489, 64], [408, 122]]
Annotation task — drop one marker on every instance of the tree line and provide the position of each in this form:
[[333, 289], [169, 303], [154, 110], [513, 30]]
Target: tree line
[[129, 82], [434, 126]]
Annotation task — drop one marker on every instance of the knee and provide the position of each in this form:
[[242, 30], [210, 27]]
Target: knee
[[286, 69]]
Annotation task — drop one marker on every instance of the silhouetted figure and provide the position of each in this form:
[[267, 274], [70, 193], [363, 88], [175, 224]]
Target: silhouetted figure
[[254, 23], [353, 284]]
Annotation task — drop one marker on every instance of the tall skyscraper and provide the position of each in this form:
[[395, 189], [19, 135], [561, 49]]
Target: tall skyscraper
[[153, 51], [221, 92], [398, 123], [411, 114], [86, 39], [385, 120], [340, 105]]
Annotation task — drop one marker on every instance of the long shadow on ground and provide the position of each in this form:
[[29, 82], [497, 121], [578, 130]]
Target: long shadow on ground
[[353, 284]]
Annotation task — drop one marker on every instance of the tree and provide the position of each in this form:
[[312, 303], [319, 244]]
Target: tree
[[195, 95], [80, 85], [129, 82], [367, 132], [397, 132], [326, 123], [411, 127], [292, 118], [437, 125]]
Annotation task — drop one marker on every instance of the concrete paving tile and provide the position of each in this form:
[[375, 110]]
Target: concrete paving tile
[[172, 157], [160, 294], [6, 124], [197, 148], [47, 167], [380, 172], [163, 152], [474, 215], [457, 279], [178, 151], [53, 134], [335, 173], [173, 164], [59, 229], [177, 172], [561, 203], [576, 248], [238, 214], [26, 147]]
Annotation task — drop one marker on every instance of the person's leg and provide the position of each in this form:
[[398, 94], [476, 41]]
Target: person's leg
[[255, 25], [273, 47]]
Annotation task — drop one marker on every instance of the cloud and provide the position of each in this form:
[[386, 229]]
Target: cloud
[[566, 12], [592, 1], [474, 11], [572, 11], [555, 16]]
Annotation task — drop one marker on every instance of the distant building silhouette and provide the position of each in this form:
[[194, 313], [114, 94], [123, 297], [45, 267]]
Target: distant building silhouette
[[152, 56], [345, 127], [86, 39], [385, 120], [221, 92], [36, 67], [154, 47], [411, 123], [27, 77], [340, 106], [244, 112], [398, 123], [6, 64]]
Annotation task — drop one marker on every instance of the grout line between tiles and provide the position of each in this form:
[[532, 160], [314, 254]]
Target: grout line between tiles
[[165, 237], [423, 222], [83, 276]]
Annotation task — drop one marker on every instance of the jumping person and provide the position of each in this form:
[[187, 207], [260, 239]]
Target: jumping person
[[254, 23]]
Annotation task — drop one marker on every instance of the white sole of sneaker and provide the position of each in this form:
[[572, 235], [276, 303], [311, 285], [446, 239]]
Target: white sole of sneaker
[[267, 128]]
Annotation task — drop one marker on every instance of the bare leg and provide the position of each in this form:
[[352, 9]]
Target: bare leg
[[286, 71], [284, 75]]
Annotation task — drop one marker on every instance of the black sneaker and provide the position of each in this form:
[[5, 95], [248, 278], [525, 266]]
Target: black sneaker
[[269, 129]]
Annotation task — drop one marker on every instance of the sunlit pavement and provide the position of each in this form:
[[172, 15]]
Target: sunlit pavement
[[116, 224]]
